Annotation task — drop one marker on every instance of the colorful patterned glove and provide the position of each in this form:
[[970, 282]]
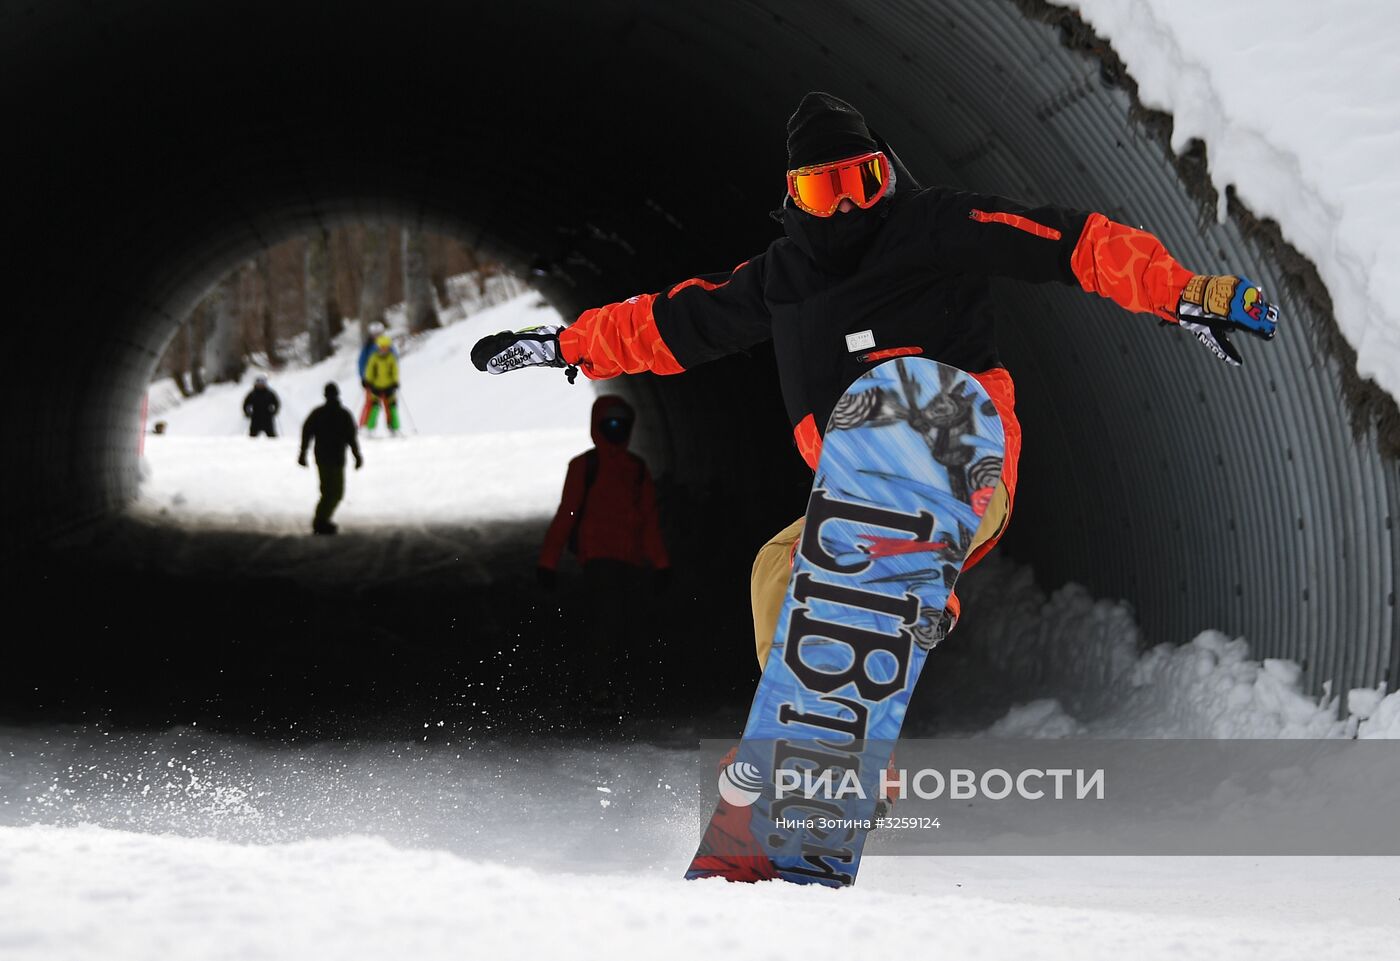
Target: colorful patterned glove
[[513, 350], [1212, 306]]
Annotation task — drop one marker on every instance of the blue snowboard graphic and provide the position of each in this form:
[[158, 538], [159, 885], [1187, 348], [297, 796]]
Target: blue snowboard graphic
[[910, 458]]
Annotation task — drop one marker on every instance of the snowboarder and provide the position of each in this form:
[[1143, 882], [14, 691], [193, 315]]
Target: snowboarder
[[381, 382], [607, 517], [333, 430], [874, 266], [261, 407]]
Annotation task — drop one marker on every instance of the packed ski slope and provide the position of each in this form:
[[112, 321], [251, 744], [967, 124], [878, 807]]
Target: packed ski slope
[[195, 846], [89, 892]]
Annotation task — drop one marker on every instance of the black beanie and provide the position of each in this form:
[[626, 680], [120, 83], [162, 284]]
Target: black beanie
[[826, 128]]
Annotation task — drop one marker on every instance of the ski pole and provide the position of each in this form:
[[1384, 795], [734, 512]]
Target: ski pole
[[404, 405]]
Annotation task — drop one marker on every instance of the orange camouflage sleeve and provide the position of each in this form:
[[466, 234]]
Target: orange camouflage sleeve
[[618, 339], [1129, 267]]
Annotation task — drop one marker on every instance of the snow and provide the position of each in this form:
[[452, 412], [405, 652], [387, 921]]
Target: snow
[[1298, 104], [90, 892], [199, 845], [473, 447], [1382, 716], [257, 485], [1078, 661]]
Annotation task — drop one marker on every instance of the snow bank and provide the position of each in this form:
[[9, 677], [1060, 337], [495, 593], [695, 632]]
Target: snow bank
[[1380, 714], [1299, 106], [1079, 659]]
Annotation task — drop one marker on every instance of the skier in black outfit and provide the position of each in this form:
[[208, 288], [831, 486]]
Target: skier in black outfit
[[261, 407], [333, 429]]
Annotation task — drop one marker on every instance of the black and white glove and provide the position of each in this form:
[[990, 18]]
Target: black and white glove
[[1212, 306], [514, 350]]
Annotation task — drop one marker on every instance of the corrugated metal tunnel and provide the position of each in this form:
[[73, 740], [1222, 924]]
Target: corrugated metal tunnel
[[614, 147]]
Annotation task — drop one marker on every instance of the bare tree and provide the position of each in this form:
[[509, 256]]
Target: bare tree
[[447, 257], [223, 349], [197, 324], [316, 278], [177, 359], [288, 268], [268, 318], [436, 251], [417, 288], [347, 256], [335, 318], [274, 298], [373, 274]]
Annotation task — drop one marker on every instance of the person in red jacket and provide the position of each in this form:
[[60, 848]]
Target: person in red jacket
[[872, 266], [607, 516]]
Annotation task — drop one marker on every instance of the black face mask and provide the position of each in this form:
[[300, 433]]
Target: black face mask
[[615, 429], [837, 243]]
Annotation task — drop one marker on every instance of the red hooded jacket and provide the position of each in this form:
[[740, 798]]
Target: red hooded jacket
[[616, 514]]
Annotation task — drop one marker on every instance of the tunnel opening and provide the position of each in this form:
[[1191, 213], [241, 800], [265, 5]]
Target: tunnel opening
[[572, 142]]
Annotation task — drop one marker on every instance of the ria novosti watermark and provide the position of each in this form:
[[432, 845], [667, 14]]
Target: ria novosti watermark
[[1075, 796], [740, 785], [958, 784]]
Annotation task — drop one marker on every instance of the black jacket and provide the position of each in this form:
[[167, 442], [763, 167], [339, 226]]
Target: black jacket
[[333, 429], [261, 403], [834, 293]]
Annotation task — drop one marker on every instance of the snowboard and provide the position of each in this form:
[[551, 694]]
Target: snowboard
[[910, 459]]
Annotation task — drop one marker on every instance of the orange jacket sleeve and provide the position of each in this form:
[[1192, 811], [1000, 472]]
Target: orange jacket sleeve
[[1129, 267], [618, 339], [691, 323], [980, 233], [557, 537]]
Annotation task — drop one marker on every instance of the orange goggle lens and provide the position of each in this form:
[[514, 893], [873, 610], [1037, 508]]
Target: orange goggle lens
[[818, 189]]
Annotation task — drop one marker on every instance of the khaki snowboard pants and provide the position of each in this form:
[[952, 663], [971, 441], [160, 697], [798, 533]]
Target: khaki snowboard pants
[[768, 584]]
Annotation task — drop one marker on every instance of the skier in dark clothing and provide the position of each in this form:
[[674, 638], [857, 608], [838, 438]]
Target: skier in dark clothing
[[261, 407], [607, 517], [333, 429], [874, 266]]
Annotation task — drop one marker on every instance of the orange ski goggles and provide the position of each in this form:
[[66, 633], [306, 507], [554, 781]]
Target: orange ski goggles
[[818, 189]]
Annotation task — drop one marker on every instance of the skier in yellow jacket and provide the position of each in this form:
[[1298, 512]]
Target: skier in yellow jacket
[[381, 383]]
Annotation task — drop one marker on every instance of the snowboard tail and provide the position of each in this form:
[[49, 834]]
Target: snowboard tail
[[910, 458]]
